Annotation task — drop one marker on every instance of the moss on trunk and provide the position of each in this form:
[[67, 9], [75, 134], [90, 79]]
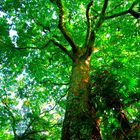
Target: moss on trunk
[[80, 117]]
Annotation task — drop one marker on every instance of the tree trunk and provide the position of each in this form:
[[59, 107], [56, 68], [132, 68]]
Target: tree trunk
[[125, 129], [80, 117]]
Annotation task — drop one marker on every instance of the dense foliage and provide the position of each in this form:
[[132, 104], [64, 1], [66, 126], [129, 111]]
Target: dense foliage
[[35, 68]]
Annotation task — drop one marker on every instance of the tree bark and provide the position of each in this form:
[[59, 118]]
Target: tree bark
[[80, 117]]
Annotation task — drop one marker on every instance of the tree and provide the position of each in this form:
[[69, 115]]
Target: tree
[[64, 35]]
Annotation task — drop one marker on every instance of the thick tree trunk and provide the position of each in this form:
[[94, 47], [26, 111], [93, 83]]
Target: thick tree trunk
[[80, 117]]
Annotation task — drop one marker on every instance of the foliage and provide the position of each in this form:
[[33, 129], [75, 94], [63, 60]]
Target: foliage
[[107, 97], [35, 74]]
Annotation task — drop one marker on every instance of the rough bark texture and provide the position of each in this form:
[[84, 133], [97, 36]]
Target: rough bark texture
[[80, 117]]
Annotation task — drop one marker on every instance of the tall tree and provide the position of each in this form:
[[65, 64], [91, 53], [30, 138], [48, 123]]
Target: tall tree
[[74, 29]]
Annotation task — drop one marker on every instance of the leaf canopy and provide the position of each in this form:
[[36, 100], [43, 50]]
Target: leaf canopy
[[35, 73]]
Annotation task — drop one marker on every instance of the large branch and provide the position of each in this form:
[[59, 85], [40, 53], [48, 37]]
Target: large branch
[[62, 48], [89, 47], [56, 43], [88, 21], [130, 10], [62, 27], [116, 15], [102, 14], [104, 7], [91, 32]]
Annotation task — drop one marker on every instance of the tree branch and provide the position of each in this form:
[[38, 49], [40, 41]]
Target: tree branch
[[33, 132], [62, 48], [90, 36], [102, 14], [24, 48], [53, 83], [13, 118], [34, 48], [28, 127], [40, 48], [118, 5], [88, 21], [130, 10], [62, 27], [39, 131], [90, 43], [90, 32], [104, 7], [26, 132], [117, 15], [45, 28], [135, 14]]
